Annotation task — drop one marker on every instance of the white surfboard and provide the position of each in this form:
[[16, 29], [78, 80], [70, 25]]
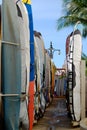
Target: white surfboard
[[76, 44], [25, 61], [39, 49], [37, 79]]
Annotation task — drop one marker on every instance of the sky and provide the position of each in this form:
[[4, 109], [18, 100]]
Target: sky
[[45, 15]]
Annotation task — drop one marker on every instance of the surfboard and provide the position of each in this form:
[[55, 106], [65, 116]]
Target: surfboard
[[25, 63], [37, 80], [1, 109], [47, 78], [53, 70], [73, 61], [15, 62], [40, 44], [76, 61], [11, 65], [0, 72], [32, 80]]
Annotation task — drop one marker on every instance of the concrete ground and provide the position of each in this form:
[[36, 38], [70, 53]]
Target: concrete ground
[[55, 117]]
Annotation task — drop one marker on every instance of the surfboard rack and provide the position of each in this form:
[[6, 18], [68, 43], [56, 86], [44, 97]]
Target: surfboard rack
[[14, 95], [10, 43]]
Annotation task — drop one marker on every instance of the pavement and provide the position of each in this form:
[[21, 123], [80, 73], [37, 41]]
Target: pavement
[[55, 117]]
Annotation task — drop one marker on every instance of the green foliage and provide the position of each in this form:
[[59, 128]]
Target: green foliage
[[74, 10], [84, 57]]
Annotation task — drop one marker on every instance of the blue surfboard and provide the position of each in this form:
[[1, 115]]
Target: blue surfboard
[[31, 85]]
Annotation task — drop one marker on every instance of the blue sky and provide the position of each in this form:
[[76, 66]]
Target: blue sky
[[45, 15]]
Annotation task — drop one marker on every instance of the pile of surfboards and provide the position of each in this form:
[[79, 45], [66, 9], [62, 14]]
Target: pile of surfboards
[[59, 86], [60, 82], [73, 57], [44, 76], [50, 70], [27, 72]]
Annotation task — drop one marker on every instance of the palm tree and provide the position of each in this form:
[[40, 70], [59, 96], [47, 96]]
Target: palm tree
[[75, 10]]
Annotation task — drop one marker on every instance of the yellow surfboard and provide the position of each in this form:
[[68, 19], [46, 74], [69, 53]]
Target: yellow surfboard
[[26, 1]]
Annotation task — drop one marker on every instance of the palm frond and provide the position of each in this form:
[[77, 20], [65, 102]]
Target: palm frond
[[76, 10], [84, 56], [65, 21]]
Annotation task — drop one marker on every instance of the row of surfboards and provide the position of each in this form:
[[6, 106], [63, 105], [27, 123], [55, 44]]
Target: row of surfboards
[[73, 58], [27, 72]]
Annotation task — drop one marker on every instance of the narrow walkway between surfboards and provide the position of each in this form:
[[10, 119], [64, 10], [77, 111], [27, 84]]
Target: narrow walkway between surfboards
[[56, 117]]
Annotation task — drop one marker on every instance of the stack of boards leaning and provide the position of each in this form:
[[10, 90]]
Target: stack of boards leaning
[[39, 50], [73, 54], [44, 71], [37, 78], [59, 85], [47, 76], [15, 60], [17, 67]]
